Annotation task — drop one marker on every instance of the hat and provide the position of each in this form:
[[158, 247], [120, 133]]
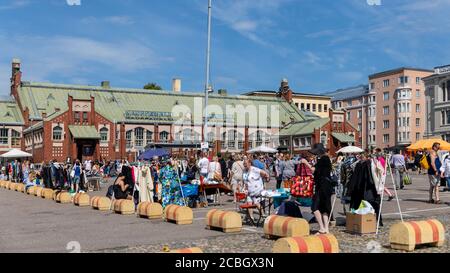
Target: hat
[[318, 149]]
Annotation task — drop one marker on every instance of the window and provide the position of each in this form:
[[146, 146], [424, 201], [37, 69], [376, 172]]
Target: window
[[128, 138], [308, 107], [314, 107], [302, 107], [15, 138], [348, 115], [372, 85], [296, 104], [386, 138], [259, 138], [417, 122], [417, 136], [232, 135], [386, 124], [417, 108], [448, 117], [417, 93], [373, 138], [359, 113], [320, 108], [386, 110], [325, 108], [57, 133], [139, 137], [149, 136], [386, 96], [104, 134], [418, 80], [385, 83], [349, 103], [296, 142], [4, 136], [77, 117], [323, 139], [85, 116], [164, 137], [403, 79]]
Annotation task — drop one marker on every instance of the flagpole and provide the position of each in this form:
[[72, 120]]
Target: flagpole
[[208, 69]]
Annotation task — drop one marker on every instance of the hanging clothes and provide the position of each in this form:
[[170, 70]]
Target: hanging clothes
[[171, 187], [145, 184]]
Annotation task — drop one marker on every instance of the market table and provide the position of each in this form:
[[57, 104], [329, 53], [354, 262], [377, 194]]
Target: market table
[[214, 189]]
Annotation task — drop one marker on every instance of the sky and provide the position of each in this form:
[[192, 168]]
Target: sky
[[318, 45]]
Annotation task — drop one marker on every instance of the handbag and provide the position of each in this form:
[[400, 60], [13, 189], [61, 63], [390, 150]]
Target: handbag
[[72, 173], [407, 180]]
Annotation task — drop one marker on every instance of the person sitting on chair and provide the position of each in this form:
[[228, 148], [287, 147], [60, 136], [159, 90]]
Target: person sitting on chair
[[121, 189], [253, 181]]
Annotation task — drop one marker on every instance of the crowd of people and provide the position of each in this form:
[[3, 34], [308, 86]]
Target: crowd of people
[[161, 178]]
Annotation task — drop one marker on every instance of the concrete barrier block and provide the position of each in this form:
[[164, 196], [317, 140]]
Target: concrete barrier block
[[280, 226], [47, 194], [187, 250], [124, 206], [63, 197], [227, 221], [178, 214], [308, 244], [38, 191], [31, 190], [150, 210], [101, 203], [20, 187], [81, 199], [408, 235]]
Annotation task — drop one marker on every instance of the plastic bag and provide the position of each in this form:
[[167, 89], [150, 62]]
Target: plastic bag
[[365, 208]]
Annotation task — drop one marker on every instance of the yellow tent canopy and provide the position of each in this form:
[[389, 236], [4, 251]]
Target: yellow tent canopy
[[428, 144]]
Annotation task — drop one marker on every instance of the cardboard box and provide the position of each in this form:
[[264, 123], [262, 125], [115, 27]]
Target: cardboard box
[[361, 224]]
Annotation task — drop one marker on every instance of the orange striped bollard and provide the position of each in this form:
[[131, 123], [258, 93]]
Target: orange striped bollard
[[279, 226], [178, 214], [227, 221], [407, 235], [309, 244]]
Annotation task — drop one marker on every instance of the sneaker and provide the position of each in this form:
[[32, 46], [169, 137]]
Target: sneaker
[[390, 198]]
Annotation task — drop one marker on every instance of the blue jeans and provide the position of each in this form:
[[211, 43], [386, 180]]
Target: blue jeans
[[447, 179]]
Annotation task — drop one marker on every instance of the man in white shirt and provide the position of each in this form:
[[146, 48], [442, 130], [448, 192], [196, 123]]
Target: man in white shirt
[[253, 180], [203, 165]]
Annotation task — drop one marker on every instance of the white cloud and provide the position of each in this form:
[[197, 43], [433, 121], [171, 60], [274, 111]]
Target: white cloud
[[46, 58], [14, 4]]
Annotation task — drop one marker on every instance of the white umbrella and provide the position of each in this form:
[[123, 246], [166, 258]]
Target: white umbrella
[[351, 150], [15, 153], [263, 149]]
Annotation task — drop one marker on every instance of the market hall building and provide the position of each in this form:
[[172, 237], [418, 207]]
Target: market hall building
[[58, 121]]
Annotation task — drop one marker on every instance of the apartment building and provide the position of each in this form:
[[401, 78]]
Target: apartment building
[[390, 111], [437, 88], [399, 109]]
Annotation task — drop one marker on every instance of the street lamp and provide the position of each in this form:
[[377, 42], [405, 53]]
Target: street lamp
[[208, 88]]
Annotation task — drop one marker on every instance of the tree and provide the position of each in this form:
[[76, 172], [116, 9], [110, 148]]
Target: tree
[[152, 86]]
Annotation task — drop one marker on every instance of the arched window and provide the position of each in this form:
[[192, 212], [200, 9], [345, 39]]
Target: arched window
[[104, 134], [259, 138], [187, 136], [232, 137], [164, 137], [57, 133], [149, 137], [223, 140], [139, 137], [211, 137]]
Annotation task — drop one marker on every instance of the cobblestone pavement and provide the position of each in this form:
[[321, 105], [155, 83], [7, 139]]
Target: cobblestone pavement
[[256, 243], [31, 224]]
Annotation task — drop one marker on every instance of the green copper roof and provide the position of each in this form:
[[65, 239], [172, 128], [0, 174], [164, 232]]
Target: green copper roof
[[84, 132], [344, 138], [146, 106], [303, 128], [10, 113]]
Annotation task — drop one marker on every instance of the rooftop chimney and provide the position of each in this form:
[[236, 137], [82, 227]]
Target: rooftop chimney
[[176, 85], [106, 84], [16, 76], [285, 91]]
